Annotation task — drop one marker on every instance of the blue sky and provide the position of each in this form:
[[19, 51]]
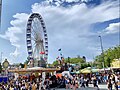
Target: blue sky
[[72, 25]]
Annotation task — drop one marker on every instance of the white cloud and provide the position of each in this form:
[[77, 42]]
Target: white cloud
[[16, 33], [17, 28], [68, 28], [112, 28], [15, 53], [60, 2], [84, 0], [72, 0]]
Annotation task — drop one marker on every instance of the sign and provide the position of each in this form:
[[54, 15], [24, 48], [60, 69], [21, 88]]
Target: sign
[[5, 64]]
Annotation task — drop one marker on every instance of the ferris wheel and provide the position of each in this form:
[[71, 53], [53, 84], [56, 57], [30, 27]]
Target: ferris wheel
[[36, 38]]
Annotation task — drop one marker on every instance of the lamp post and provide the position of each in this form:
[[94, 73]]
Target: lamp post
[[0, 11], [102, 52]]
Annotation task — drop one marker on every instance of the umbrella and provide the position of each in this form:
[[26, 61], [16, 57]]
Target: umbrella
[[95, 70], [86, 71], [77, 72]]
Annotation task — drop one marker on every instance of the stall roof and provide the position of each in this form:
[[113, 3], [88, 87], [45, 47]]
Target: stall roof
[[34, 69]]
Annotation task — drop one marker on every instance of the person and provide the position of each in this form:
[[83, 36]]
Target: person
[[87, 81], [27, 85], [30, 86], [105, 78], [118, 82], [11, 87], [109, 84], [34, 87], [76, 83], [47, 83], [23, 87], [67, 83], [95, 82], [40, 85], [73, 84], [82, 82], [116, 86]]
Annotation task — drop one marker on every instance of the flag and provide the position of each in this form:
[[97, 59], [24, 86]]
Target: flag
[[57, 57], [59, 49]]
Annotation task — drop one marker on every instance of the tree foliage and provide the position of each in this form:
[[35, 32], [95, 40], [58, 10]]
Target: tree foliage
[[84, 65], [22, 65], [109, 55], [55, 63], [0, 67], [75, 60], [26, 62]]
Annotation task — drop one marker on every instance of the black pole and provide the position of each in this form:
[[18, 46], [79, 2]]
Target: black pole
[[119, 21], [102, 52], [0, 12], [119, 33]]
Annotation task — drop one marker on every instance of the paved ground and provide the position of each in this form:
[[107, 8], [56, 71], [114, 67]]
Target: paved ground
[[101, 87]]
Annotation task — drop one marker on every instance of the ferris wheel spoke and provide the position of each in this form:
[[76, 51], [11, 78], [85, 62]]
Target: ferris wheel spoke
[[32, 38], [37, 28], [37, 35], [34, 52], [34, 33], [35, 23], [42, 48]]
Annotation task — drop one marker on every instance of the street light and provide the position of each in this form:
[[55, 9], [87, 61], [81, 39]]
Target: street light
[[102, 52], [0, 11]]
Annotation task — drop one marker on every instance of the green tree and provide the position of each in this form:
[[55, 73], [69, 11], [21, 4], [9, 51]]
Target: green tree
[[84, 65], [26, 62], [55, 63], [0, 67], [75, 60], [108, 61], [22, 65], [109, 55]]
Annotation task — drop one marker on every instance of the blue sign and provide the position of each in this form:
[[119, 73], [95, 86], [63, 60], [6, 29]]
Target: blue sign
[[3, 79]]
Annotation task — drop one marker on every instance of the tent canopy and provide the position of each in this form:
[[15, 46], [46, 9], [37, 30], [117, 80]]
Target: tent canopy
[[95, 70], [85, 71], [89, 70]]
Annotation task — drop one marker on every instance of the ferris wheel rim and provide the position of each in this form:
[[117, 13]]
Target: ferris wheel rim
[[29, 32]]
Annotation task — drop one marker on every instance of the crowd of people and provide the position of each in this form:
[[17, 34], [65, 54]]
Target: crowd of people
[[69, 82]]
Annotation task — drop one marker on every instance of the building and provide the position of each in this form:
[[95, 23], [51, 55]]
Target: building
[[115, 63]]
